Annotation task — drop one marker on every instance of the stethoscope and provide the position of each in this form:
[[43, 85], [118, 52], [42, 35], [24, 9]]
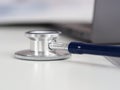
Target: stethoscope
[[44, 46]]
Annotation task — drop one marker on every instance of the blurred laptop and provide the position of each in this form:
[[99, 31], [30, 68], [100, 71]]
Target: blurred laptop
[[105, 28]]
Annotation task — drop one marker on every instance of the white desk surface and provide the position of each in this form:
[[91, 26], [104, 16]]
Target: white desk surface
[[80, 72]]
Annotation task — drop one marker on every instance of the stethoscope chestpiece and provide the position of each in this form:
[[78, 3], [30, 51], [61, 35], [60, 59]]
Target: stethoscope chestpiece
[[39, 47]]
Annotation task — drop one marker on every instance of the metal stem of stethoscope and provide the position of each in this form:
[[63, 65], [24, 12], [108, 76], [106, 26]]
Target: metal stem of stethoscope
[[44, 46]]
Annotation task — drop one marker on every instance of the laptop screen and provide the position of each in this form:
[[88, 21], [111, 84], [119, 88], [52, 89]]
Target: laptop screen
[[106, 23]]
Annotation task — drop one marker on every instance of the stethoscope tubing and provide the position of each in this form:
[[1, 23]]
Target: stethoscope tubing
[[87, 48]]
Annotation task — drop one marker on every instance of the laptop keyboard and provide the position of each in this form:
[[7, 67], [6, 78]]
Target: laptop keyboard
[[114, 60]]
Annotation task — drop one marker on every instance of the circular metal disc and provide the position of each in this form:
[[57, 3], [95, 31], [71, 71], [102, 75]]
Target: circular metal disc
[[53, 55]]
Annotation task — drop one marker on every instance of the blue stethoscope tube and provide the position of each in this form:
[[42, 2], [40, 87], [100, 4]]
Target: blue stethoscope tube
[[85, 48]]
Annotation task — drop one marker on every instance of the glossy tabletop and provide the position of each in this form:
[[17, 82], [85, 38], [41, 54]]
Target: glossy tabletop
[[80, 72]]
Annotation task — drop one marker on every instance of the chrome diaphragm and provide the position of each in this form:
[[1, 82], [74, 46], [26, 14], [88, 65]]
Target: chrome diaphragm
[[39, 47]]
